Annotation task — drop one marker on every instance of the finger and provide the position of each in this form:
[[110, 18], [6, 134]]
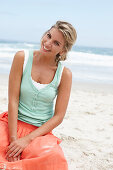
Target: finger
[[18, 153], [7, 158], [18, 157], [14, 152], [10, 151], [10, 146], [10, 159], [15, 159]]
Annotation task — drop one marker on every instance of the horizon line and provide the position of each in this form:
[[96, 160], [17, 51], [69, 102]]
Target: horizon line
[[34, 42]]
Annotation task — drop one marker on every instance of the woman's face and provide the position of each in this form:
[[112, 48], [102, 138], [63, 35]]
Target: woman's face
[[52, 43]]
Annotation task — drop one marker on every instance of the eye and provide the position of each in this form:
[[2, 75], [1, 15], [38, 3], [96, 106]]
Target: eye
[[48, 35], [56, 43]]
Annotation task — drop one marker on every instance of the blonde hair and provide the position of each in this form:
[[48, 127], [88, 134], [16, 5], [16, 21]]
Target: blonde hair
[[69, 34], [70, 37]]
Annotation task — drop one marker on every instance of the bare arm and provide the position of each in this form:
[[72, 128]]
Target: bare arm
[[13, 93]]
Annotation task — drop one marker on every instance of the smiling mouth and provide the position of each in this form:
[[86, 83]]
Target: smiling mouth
[[45, 49]]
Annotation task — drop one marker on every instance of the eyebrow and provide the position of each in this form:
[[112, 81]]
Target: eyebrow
[[55, 40]]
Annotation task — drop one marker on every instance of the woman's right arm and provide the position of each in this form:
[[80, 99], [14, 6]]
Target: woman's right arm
[[15, 77]]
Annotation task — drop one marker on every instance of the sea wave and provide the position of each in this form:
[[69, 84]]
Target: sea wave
[[85, 65], [79, 58]]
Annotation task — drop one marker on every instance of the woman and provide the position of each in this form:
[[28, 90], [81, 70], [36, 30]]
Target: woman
[[35, 79]]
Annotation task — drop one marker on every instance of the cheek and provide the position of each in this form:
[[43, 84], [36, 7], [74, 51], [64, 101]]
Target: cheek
[[43, 39], [58, 49]]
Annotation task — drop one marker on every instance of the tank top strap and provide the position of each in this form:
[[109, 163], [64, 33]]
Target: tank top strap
[[26, 54], [59, 74], [28, 65]]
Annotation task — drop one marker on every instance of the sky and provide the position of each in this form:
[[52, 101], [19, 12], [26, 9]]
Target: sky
[[27, 20]]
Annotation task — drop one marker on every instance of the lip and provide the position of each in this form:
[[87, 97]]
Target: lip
[[45, 49]]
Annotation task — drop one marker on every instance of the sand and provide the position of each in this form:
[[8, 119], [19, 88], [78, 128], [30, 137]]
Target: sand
[[87, 129]]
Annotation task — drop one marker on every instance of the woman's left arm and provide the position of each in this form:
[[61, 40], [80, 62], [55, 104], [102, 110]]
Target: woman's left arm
[[60, 110]]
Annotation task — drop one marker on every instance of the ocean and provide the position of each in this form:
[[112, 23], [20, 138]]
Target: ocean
[[88, 64]]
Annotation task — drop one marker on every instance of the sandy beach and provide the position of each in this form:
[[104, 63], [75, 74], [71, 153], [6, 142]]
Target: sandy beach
[[87, 129]]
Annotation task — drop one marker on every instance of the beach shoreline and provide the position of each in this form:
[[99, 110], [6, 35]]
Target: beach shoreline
[[79, 85], [91, 86], [87, 126]]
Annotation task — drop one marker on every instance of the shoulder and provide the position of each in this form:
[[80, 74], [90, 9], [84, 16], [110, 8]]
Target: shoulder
[[35, 52], [19, 57], [66, 76], [18, 61]]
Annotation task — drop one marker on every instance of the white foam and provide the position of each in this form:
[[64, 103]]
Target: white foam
[[84, 66], [89, 59], [6, 54]]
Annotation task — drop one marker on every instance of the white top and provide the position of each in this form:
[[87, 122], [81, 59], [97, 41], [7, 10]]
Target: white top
[[36, 84]]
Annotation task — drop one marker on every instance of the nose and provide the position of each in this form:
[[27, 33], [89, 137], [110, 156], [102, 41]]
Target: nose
[[48, 43]]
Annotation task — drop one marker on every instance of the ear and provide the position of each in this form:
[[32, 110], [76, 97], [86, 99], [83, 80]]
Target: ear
[[62, 52]]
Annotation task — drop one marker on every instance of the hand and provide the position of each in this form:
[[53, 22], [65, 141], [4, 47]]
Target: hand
[[17, 146], [17, 158], [11, 159]]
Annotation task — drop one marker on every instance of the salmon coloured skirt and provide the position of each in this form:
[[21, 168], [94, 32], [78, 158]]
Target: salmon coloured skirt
[[43, 153]]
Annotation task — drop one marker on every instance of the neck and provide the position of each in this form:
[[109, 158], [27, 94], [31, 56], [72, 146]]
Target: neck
[[47, 60]]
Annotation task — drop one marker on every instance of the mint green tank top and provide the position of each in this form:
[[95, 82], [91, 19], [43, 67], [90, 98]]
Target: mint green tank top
[[37, 106]]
